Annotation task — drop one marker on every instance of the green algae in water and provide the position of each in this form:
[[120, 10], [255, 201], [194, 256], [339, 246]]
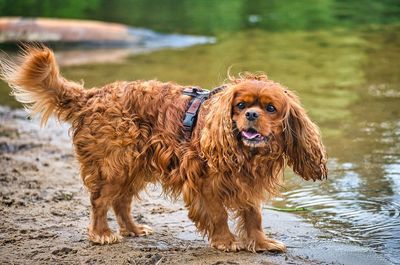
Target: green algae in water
[[289, 209]]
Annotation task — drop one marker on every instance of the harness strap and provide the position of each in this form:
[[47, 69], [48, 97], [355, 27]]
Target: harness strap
[[198, 97]]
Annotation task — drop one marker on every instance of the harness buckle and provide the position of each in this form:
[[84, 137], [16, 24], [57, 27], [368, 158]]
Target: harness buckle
[[189, 120]]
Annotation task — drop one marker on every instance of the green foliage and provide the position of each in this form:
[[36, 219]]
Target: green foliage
[[48, 8], [215, 17]]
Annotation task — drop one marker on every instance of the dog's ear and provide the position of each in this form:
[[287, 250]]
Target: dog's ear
[[217, 141], [303, 146]]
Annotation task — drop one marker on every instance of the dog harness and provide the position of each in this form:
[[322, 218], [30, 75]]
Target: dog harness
[[198, 95]]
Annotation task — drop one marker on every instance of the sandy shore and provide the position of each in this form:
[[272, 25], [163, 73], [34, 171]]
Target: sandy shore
[[44, 213]]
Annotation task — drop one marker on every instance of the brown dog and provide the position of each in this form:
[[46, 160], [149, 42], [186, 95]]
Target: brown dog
[[129, 134]]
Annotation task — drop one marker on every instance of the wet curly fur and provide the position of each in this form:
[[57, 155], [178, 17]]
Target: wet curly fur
[[129, 134]]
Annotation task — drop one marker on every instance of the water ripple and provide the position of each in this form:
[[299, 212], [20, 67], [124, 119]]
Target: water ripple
[[373, 222]]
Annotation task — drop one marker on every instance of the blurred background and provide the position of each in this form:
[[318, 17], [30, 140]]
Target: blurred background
[[342, 57]]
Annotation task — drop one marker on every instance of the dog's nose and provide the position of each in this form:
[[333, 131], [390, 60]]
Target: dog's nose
[[252, 115]]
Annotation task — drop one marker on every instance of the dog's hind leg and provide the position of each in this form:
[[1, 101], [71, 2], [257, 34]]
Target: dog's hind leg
[[99, 232], [122, 209]]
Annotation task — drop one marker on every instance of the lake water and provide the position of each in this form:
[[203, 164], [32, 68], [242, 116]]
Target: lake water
[[343, 60]]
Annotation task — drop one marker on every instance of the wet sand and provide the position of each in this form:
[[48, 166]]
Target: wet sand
[[44, 213]]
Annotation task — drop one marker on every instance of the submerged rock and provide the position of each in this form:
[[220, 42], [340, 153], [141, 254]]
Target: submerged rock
[[94, 33], [16, 29]]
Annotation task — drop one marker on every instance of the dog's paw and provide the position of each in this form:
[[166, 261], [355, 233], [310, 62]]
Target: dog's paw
[[229, 246], [138, 230], [227, 243], [106, 237], [266, 244]]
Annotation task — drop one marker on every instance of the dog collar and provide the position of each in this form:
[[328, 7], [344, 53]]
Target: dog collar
[[198, 95]]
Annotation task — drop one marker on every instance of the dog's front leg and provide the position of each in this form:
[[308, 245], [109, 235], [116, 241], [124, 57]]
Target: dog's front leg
[[250, 227], [211, 218]]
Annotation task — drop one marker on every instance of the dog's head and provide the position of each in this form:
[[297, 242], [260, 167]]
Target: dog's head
[[254, 115], [258, 109]]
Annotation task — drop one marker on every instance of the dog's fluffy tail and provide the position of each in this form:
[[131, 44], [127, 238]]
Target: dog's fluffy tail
[[37, 83]]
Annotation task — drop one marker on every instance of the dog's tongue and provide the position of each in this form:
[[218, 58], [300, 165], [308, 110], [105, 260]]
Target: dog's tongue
[[250, 135]]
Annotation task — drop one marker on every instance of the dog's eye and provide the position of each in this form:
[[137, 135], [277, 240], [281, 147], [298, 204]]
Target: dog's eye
[[270, 108], [241, 105]]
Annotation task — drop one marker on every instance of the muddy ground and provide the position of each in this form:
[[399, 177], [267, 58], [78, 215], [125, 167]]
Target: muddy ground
[[44, 213]]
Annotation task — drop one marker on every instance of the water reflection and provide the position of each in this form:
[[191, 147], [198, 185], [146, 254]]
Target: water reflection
[[361, 200]]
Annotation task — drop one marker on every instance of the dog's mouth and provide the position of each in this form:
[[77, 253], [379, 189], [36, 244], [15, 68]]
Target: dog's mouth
[[252, 137]]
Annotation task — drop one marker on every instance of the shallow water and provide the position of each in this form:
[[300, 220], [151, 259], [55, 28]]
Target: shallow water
[[347, 74]]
